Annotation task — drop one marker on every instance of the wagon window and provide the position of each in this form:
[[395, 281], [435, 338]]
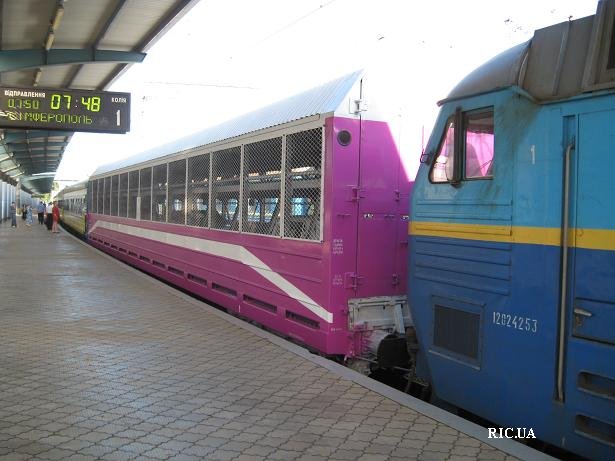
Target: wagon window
[[159, 193], [198, 191], [479, 146], [94, 195], [133, 193], [100, 196], [145, 185], [177, 191], [107, 204], [303, 198], [262, 186], [226, 175], [444, 166], [115, 179]]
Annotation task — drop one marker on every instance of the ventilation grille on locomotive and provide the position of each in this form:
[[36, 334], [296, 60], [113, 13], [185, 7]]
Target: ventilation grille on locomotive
[[456, 331]]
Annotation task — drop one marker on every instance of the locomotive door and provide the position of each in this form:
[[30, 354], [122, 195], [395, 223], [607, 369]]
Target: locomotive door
[[590, 307], [594, 237]]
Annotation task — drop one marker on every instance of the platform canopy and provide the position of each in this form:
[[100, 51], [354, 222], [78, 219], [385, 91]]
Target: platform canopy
[[75, 44]]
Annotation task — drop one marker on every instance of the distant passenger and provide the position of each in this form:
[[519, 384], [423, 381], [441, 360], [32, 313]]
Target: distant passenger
[[48, 215], [23, 212], [28, 216], [55, 212], [41, 212], [13, 213]]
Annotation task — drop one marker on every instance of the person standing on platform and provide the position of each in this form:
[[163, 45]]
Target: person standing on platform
[[29, 216], [23, 212], [13, 213], [41, 212], [55, 212], [49, 217]]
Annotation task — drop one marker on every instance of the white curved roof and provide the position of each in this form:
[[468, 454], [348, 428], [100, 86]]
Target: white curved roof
[[324, 99]]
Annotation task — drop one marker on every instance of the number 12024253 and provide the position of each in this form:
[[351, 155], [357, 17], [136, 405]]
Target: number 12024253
[[515, 321]]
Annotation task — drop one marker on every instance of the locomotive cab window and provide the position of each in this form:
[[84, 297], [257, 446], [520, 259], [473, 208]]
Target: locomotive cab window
[[467, 148], [443, 168]]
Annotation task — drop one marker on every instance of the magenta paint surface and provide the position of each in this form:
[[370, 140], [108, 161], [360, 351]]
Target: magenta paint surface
[[363, 253]]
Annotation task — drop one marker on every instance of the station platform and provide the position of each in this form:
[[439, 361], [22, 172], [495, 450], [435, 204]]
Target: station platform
[[99, 361]]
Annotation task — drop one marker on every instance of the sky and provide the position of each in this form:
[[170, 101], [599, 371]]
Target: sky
[[227, 57]]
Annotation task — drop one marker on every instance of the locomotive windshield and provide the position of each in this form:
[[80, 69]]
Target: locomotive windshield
[[475, 150]]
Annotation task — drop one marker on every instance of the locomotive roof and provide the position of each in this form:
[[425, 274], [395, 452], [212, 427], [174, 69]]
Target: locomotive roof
[[320, 100], [560, 61]]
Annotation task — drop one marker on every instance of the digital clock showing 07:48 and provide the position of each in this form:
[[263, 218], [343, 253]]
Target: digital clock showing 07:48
[[61, 109], [90, 103]]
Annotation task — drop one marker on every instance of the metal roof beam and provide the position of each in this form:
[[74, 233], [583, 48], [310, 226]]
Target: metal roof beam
[[168, 21], [103, 31], [33, 134], [11, 60], [7, 159], [19, 147], [49, 155]]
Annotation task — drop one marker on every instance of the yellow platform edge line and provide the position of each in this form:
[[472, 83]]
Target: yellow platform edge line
[[594, 239]]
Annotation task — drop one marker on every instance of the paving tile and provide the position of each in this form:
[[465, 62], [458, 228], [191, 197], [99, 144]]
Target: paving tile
[[116, 367], [439, 447], [373, 457], [120, 455], [259, 450], [56, 454], [80, 457], [97, 450], [223, 455], [454, 457], [490, 454], [137, 447], [35, 448], [346, 454], [76, 444]]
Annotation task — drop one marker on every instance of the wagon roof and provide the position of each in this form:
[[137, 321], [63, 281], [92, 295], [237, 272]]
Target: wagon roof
[[321, 100]]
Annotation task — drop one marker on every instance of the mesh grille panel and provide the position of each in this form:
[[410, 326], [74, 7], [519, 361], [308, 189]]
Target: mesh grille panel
[[198, 190], [456, 331], [145, 181], [93, 195], [100, 196], [303, 185], [261, 187], [177, 191], [114, 194], [107, 203], [133, 192], [159, 193], [225, 189], [123, 194]]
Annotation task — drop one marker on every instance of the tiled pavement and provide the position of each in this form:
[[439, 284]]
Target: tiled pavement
[[99, 362]]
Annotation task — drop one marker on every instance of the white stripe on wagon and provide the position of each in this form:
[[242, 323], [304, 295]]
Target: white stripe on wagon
[[236, 253]]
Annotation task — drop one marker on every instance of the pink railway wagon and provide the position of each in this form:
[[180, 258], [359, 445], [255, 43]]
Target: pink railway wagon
[[294, 216]]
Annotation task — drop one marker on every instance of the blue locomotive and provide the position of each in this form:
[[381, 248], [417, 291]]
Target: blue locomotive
[[512, 240]]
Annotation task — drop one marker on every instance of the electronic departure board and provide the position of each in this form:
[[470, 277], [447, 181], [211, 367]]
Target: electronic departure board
[[68, 110]]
